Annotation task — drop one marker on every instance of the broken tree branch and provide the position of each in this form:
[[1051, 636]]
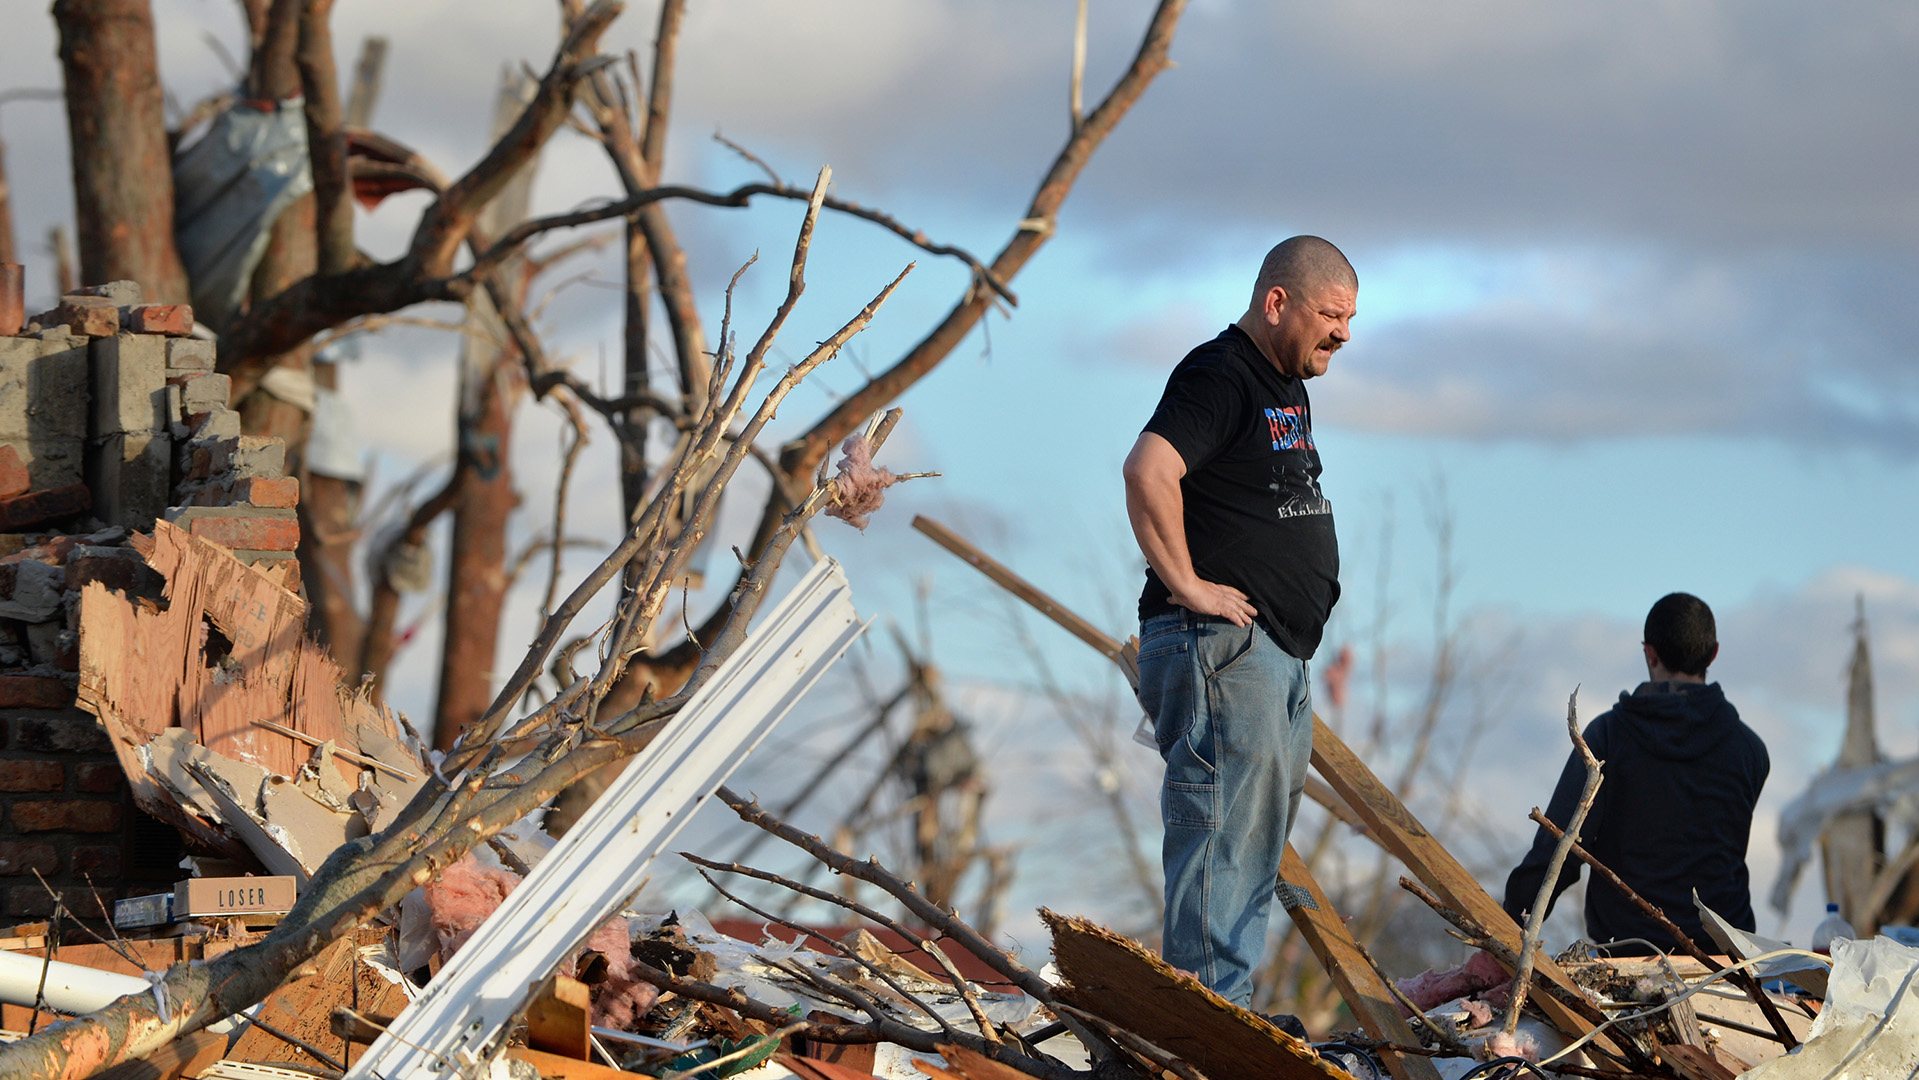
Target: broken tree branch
[[1529, 938], [1744, 980], [294, 315], [960, 984]]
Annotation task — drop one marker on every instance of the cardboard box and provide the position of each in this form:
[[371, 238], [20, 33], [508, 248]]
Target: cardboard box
[[141, 911], [234, 896]]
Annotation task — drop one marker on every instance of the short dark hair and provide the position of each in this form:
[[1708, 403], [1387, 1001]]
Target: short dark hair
[[1303, 264], [1680, 629]]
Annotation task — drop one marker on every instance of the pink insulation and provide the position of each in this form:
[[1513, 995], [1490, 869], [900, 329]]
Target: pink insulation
[[465, 894], [1431, 988], [621, 999], [862, 485], [468, 891], [1519, 1044]]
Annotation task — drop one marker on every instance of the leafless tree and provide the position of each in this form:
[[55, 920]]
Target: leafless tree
[[314, 280]]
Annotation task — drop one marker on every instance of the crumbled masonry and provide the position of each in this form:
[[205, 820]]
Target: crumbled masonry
[[180, 759]]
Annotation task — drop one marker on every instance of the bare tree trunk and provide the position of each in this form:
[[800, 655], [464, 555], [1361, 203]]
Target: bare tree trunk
[[638, 379], [62, 252], [328, 507], [122, 173], [476, 561], [493, 378], [7, 251]]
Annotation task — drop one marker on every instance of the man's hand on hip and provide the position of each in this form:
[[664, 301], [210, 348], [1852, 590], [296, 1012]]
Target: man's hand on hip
[[1211, 598]]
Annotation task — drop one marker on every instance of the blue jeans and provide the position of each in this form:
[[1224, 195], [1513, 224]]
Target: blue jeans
[[1233, 716]]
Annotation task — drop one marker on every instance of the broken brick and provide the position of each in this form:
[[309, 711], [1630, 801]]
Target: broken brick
[[278, 492], [249, 528], [13, 474], [94, 316], [173, 320], [24, 512], [122, 573]]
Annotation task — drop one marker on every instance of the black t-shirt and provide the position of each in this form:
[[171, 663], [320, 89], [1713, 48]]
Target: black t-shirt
[[1255, 518]]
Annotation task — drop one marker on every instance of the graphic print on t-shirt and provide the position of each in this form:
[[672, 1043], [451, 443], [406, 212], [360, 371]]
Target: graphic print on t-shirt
[[1289, 428], [1294, 488]]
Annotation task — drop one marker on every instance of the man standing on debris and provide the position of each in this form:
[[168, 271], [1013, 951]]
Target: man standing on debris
[[1682, 774], [1222, 489]]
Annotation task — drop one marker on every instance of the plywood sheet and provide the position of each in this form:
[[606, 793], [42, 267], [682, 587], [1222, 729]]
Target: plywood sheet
[[1120, 980], [226, 647]]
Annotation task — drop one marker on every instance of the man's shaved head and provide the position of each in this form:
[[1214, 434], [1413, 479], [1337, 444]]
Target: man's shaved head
[[1303, 265]]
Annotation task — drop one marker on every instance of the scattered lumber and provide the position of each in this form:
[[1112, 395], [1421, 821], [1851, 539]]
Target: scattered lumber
[[1124, 982]]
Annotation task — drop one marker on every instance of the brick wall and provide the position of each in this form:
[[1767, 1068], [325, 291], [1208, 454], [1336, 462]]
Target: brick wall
[[68, 815], [111, 415]]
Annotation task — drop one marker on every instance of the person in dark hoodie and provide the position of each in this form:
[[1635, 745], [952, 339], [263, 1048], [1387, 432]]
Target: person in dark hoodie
[[1682, 774]]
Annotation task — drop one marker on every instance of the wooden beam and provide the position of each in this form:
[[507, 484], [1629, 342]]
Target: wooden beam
[[1365, 993], [1396, 829], [1108, 646], [560, 1017]]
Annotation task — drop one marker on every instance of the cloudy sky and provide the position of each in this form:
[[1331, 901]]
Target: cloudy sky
[[1635, 311]]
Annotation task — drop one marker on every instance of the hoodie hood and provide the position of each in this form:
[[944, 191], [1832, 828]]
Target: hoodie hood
[[1676, 721]]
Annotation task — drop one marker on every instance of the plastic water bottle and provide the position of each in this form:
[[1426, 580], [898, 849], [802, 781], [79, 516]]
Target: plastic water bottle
[[1831, 928]]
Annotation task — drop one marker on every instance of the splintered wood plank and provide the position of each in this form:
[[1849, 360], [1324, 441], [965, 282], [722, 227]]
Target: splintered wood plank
[[303, 1005], [1694, 1062], [969, 1065], [1122, 981], [816, 1069], [556, 1067], [228, 647], [184, 1056], [1396, 829], [1365, 993], [560, 1016]]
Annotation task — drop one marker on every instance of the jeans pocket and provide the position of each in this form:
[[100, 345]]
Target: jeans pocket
[[1221, 645], [1166, 689], [1191, 794]]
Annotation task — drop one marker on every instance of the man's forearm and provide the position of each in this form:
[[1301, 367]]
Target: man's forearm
[[1158, 515]]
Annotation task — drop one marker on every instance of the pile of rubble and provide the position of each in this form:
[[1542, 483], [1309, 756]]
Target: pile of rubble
[[149, 576]]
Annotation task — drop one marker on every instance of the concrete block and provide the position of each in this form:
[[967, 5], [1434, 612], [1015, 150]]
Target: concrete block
[[42, 640], [190, 354], [258, 455], [214, 425], [122, 293], [30, 590], [51, 463], [173, 320], [131, 477], [202, 392], [43, 389], [129, 384]]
